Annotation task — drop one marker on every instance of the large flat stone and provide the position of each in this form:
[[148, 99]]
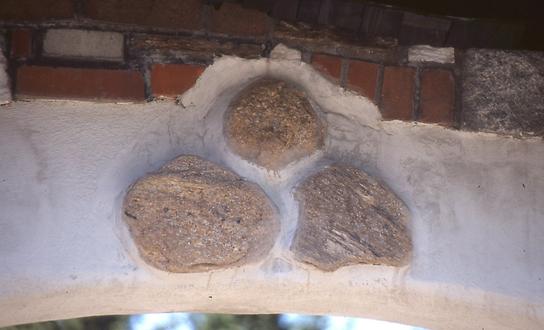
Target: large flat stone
[[82, 43], [193, 215], [347, 217], [503, 92], [272, 124]]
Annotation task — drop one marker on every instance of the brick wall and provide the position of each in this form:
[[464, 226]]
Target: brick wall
[[139, 51]]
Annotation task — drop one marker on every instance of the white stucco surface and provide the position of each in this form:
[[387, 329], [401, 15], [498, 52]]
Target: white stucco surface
[[5, 93], [477, 204]]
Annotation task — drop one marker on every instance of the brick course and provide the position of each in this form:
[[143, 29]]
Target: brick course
[[79, 83], [437, 100], [21, 43], [329, 65], [184, 14], [34, 10], [236, 20], [397, 93], [362, 78], [173, 79]]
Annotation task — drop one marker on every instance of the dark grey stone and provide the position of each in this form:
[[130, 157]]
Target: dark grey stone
[[503, 92], [347, 217]]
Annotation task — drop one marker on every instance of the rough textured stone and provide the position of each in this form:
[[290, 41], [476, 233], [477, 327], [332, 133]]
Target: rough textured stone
[[272, 124], [503, 92], [192, 215], [346, 217], [83, 43]]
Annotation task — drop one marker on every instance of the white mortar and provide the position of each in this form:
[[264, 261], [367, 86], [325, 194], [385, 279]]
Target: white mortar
[[476, 203]]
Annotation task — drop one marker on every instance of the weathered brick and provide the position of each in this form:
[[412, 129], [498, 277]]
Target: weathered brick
[[79, 83], [308, 11], [21, 43], [285, 9], [163, 48], [418, 29], [173, 79], [174, 14], [437, 100], [329, 65], [32, 10], [234, 19], [397, 93], [362, 78], [83, 43], [330, 41]]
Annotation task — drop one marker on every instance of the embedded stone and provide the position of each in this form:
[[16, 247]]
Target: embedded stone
[[193, 215], [503, 91], [347, 217], [272, 124]]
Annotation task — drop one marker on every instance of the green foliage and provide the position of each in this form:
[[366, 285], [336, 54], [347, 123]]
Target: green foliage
[[115, 322]]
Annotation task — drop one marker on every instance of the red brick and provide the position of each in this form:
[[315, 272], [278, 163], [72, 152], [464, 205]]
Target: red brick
[[397, 93], [362, 78], [21, 43], [234, 19], [437, 96], [78, 83], [176, 14], [173, 79], [33, 10], [329, 65]]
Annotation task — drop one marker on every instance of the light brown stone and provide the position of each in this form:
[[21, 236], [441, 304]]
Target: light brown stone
[[192, 215], [347, 217], [272, 124]]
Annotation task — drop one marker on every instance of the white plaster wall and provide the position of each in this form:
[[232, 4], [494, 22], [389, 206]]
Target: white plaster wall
[[477, 203]]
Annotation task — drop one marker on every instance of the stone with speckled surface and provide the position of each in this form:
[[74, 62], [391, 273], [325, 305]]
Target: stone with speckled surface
[[272, 123], [193, 215], [503, 91]]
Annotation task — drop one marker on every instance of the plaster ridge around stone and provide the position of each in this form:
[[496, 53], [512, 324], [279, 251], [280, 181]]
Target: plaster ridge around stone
[[229, 74]]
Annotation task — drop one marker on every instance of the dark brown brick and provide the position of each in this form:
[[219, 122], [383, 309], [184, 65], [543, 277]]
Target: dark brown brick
[[164, 47], [308, 11], [234, 19], [285, 9], [78, 83], [397, 93], [21, 43], [437, 96], [173, 79], [173, 14], [332, 41], [32, 10], [362, 78], [329, 65]]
